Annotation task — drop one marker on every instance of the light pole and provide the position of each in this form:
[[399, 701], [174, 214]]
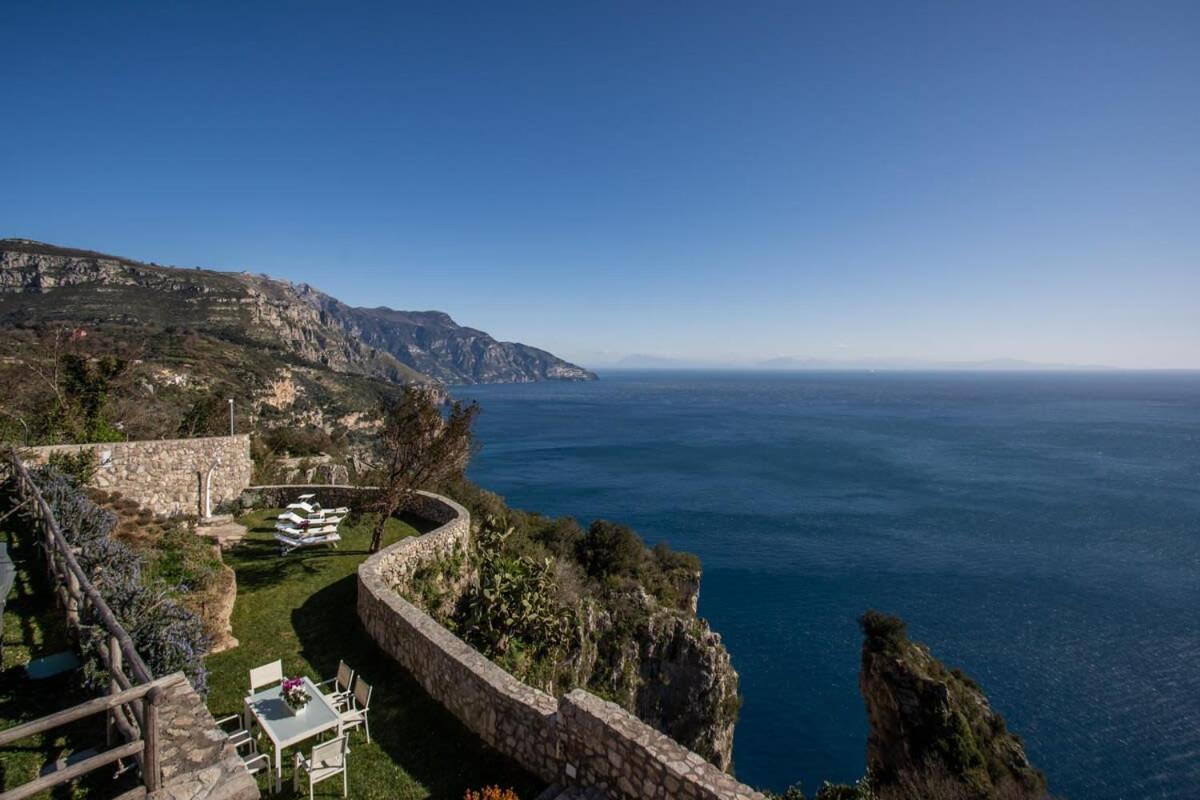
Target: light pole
[[231, 416]]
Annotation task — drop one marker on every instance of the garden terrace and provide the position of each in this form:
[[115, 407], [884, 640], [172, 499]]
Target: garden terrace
[[302, 609]]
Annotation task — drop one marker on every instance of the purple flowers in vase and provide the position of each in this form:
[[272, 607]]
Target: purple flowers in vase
[[294, 694]]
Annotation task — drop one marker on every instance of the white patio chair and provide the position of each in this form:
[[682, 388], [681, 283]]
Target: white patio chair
[[266, 675], [257, 762], [356, 714], [340, 695], [239, 737], [327, 760]]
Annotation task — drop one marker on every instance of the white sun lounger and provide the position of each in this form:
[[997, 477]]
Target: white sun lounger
[[292, 530], [288, 542], [308, 520]]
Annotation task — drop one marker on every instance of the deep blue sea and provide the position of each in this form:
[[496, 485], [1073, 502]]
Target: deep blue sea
[[1041, 531]]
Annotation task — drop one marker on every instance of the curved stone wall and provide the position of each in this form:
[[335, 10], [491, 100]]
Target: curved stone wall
[[578, 739]]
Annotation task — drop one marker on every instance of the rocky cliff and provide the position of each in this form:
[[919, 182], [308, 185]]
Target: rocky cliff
[[667, 667], [932, 731], [44, 283], [563, 609]]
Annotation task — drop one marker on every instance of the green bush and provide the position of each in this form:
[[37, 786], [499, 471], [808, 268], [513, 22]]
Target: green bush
[[79, 466], [610, 550], [300, 442], [886, 628]]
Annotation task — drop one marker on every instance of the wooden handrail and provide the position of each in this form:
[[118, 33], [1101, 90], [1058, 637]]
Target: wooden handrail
[[96, 705], [79, 769]]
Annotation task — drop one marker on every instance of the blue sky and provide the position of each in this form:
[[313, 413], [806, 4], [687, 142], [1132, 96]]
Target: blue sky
[[699, 180]]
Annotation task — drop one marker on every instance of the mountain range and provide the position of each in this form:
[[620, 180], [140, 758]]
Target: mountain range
[[46, 284]]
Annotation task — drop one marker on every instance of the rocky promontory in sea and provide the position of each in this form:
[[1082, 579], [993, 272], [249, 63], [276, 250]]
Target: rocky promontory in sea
[[933, 733]]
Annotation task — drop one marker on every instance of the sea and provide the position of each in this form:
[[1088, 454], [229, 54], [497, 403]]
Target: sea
[[1039, 530]]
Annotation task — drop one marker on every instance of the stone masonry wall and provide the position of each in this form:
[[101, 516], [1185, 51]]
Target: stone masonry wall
[[604, 746], [198, 762], [168, 476], [516, 719], [577, 740]]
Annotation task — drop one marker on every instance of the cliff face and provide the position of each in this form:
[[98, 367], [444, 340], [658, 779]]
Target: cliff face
[[435, 345], [44, 283], [932, 730], [688, 687], [668, 667]]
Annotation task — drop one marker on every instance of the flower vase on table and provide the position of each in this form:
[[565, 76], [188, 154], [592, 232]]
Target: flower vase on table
[[294, 695]]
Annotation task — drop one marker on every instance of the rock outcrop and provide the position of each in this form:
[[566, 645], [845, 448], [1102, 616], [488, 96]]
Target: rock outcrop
[[667, 667], [43, 283], [688, 687], [932, 730]]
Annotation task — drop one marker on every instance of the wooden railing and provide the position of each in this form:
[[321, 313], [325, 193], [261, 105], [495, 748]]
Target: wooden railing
[[134, 694], [101, 705]]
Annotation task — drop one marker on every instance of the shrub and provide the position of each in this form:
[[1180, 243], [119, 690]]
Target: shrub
[[610, 549], [513, 600], [168, 636], [491, 793], [79, 466], [883, 627], [308, 441]]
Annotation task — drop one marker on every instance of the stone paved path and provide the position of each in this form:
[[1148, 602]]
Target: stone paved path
[[227, 534]]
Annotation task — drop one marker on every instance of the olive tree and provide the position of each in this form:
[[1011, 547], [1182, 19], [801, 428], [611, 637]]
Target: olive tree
[[423, 444]]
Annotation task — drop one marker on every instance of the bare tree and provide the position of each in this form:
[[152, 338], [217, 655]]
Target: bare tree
[[422, 447]]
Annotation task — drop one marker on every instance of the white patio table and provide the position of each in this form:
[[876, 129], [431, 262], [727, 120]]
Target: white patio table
[[284, 728]]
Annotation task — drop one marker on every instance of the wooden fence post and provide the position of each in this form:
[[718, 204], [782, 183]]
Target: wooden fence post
[[114, 664], [72, 600], [150, 768]]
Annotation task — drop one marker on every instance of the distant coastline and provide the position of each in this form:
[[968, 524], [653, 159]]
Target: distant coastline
[[805, 364]]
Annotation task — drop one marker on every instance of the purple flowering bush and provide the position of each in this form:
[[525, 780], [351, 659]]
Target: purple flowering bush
[[168, 636]]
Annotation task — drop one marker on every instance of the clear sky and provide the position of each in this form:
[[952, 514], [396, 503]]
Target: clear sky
[[741, 179]]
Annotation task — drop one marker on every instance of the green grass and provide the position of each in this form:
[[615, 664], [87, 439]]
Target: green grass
[[301, 608], [35, 627]]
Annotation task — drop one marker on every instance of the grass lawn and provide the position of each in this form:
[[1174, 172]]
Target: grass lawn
[[35, 627], [302, 608]]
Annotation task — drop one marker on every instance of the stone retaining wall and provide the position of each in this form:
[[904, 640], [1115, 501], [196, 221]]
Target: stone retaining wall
[[577, 740], [168, 476], [198, 762], [605, 746]]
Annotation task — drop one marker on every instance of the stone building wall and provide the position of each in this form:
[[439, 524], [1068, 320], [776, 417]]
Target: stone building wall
[[168, 476], [577, 740]]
